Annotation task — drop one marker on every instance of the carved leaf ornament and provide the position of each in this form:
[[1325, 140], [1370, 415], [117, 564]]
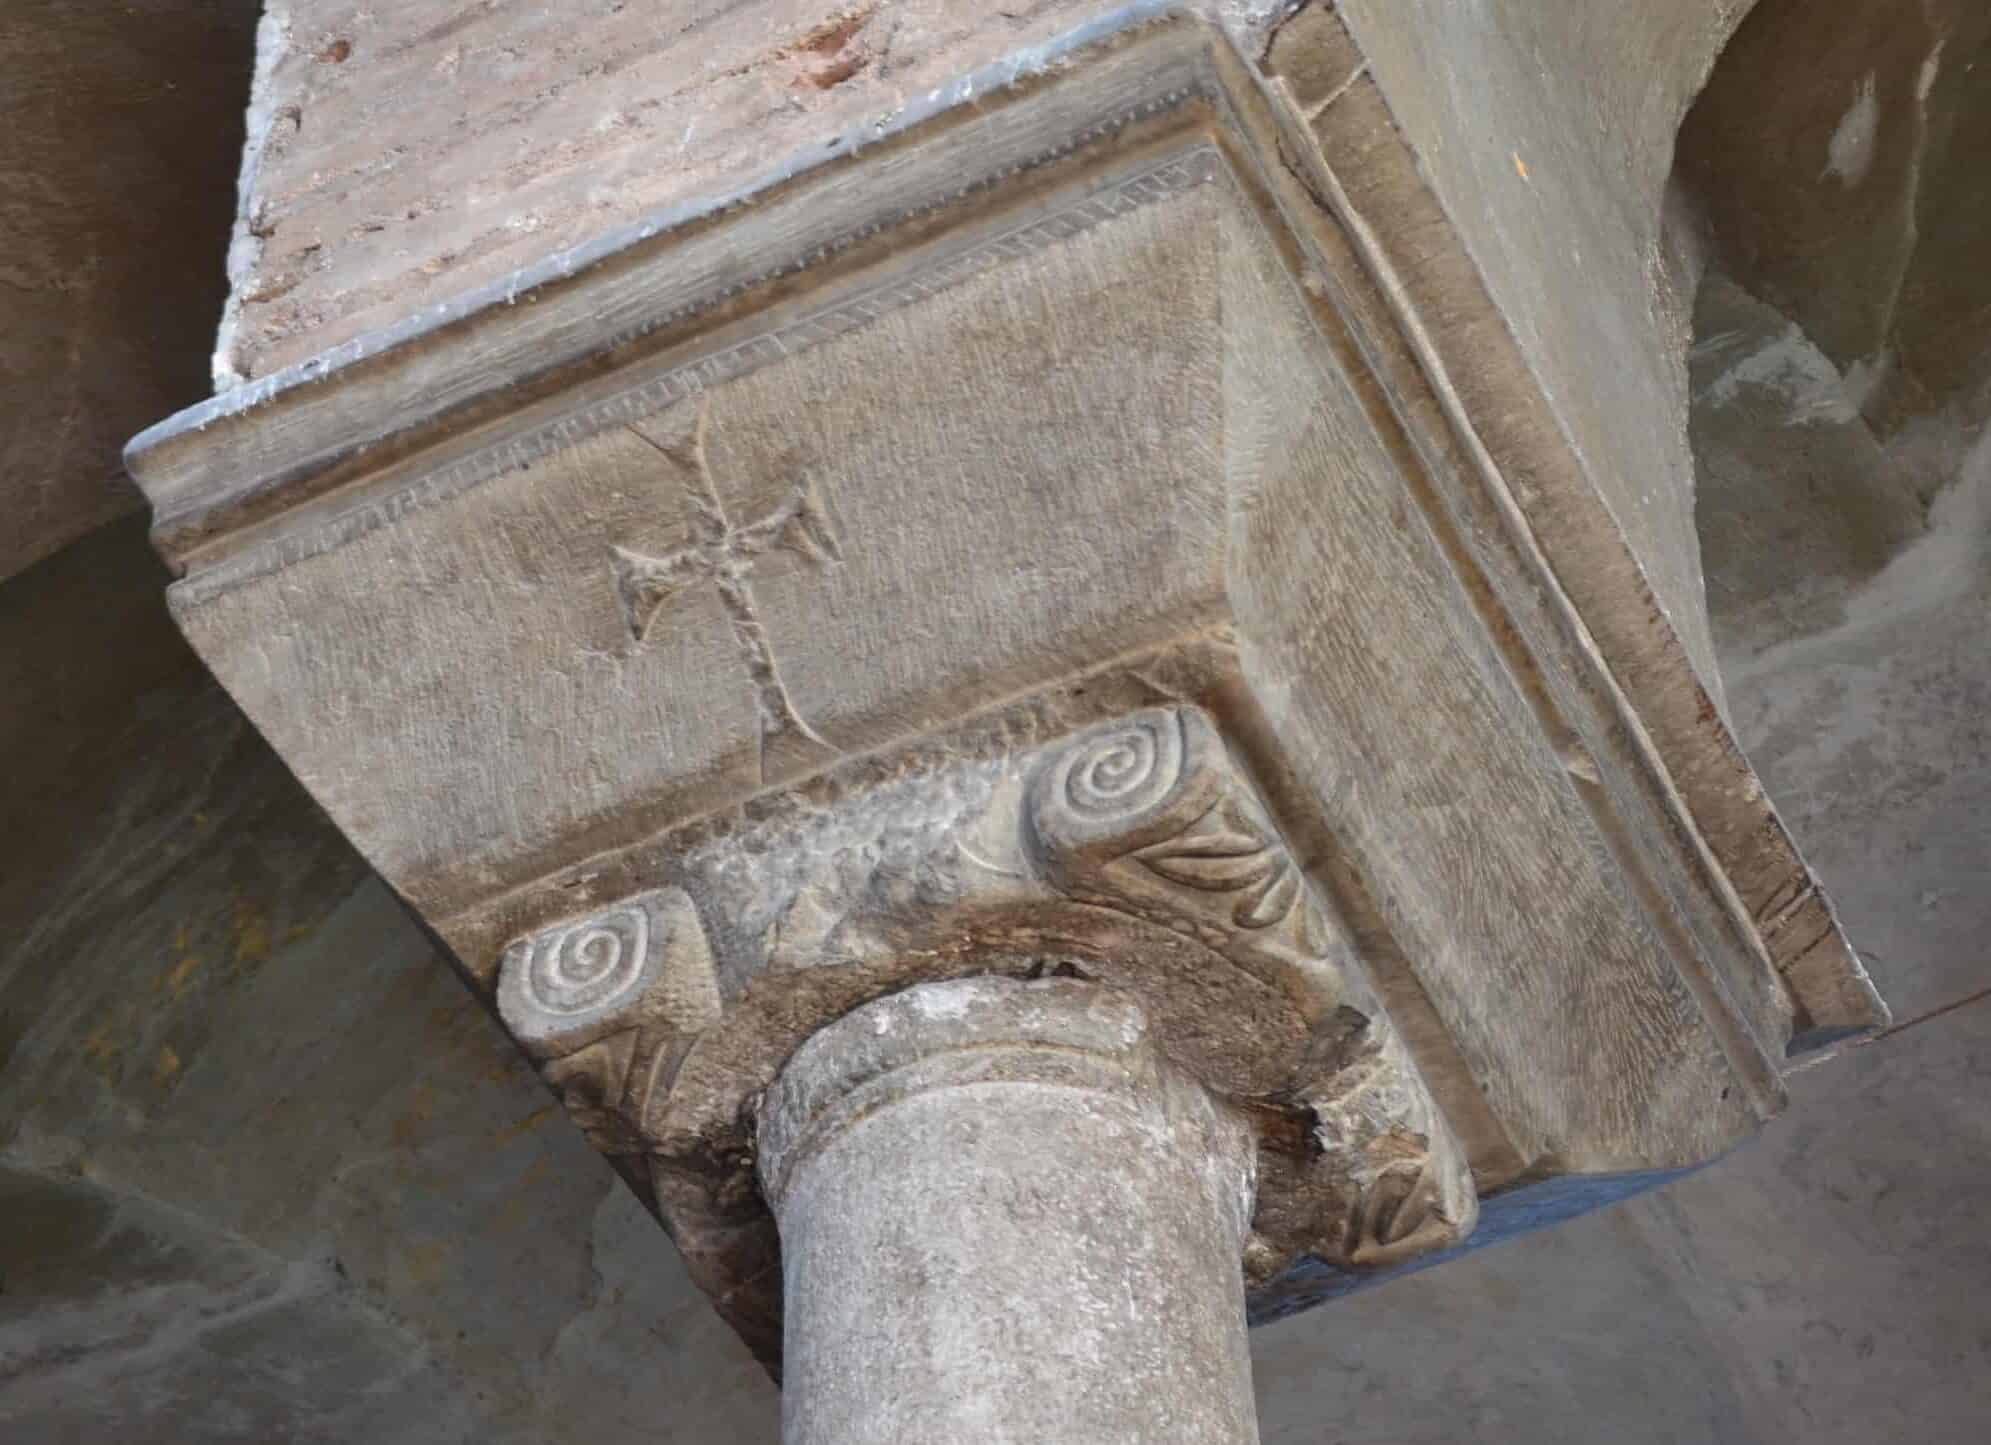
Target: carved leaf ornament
[[1228, 859]]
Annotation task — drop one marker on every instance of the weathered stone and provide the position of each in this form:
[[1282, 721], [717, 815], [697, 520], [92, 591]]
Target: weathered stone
[[520, 133], [1132, 854], [1771, 1294], [967, 1166], [1546, 136], [696, 631], [1435, 247], [1824, 1284]]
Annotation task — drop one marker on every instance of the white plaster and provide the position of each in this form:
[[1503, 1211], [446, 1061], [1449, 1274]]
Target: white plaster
[[1850, 151], [1925, 79], [245, 247], [1866, 374], [1790, 365]]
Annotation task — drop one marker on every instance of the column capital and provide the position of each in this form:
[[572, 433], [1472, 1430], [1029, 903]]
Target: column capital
[[1129, 854], [1058, 1033], [1090, 522]]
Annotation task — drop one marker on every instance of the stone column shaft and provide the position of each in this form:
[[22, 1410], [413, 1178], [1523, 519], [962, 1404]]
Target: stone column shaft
[[1005, 1218]]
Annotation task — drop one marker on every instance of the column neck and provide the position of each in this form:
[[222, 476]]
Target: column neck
[[1005, 1217]]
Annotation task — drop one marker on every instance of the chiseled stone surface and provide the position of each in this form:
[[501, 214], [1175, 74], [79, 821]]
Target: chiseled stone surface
[[1547, 133], [1006, 1218], [1826, 1283], [521, 130], [1132, 854]]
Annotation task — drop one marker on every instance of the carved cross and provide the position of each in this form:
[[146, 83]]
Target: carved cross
[[724, 555]]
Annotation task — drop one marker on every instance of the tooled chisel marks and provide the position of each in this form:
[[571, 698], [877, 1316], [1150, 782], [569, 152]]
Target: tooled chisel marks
[[724, 555]]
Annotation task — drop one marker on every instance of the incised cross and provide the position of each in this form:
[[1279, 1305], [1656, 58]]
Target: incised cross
[[724, 555]]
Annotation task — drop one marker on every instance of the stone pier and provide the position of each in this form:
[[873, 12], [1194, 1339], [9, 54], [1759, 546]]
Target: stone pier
[[1049, 713]]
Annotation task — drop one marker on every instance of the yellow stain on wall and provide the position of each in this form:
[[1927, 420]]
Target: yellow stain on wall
[[177, 977], [407, 1129], [250, 933], [526, 1125], [101, 1053]]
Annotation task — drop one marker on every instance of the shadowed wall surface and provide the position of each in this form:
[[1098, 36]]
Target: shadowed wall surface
[[122, 129]]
